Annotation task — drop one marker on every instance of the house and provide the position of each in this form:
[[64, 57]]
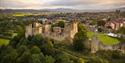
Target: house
[[115, 24]]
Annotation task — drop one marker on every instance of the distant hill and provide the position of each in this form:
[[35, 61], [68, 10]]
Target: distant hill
[[122, 9], [57, 10]]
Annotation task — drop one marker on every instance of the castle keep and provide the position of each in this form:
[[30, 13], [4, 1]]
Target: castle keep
[[56, 33]]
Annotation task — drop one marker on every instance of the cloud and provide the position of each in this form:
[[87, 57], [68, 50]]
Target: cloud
[[78, 4]]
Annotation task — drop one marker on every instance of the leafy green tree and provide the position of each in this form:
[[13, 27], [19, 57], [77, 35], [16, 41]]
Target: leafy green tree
[[49, 59], [20, 30], [9, 55], [121, 30], [26, 57], [81, 27], [48, 47], [35, 50], [37, 55], [63, 58], [37, 40], [94, 22], [23, 41], [101, 23], [80, 60], [21, 49], [38, 58], [61, 24], [15, 41], [80, 39], [97, 60]]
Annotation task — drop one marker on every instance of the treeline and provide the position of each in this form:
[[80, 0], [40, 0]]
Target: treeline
[[35, 49], [10, 25]]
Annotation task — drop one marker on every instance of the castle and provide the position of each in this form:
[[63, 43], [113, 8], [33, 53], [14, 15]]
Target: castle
[[56, 33], [68, 32]]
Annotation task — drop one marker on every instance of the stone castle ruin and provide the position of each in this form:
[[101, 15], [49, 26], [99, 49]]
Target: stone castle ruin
[[56, 33], [68, 32]]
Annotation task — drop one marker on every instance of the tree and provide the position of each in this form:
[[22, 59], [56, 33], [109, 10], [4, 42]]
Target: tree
[[81, 27], [61, 24], [15, 41], [26, 57], [48, 47], [22, 41], [121, 30], [38, 58], [101, 23], [37, 40], [80, 39], [94, 22], [20, 30], [49, 59], [63, 58], [21, 49], [80, 60], [35, 50], [9, 55]]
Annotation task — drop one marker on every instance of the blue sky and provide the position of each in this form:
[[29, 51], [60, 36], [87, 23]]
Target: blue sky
[[76, 4]]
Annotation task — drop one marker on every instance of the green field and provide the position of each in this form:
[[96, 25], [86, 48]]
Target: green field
[[90, 34], [106, 40], [20, 14], [4, 41]]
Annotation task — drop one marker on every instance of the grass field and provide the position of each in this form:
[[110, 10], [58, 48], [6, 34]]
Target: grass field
[[107, 40], [90, 34], [4, 41]]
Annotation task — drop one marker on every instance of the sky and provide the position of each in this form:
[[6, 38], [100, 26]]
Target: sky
[[51, 4]]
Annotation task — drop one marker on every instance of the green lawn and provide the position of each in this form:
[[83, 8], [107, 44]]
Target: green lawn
[[107, 40], [90, 34], [4, 41]]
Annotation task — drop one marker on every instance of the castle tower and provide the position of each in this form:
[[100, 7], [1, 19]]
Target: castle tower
[[37, 28], [28, 31], [47, 28], [73, 28]]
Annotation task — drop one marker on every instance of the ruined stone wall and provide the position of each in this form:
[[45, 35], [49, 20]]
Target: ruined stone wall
[[45, 30], [95, 46]]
